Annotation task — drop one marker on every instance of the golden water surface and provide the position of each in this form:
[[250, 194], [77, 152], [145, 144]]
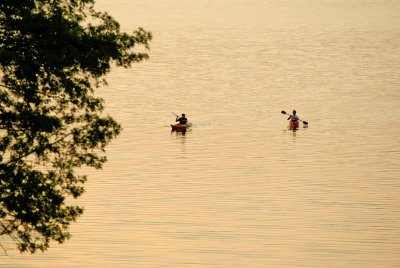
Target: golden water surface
[[239, 189]]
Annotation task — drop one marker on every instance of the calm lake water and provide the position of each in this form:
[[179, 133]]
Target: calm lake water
[[239, 189]]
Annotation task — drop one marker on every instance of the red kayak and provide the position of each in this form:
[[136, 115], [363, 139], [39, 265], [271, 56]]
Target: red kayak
[[180, 127], [294, 124]]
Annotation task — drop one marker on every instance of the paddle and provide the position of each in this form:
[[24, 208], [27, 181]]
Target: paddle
[[304, 122]]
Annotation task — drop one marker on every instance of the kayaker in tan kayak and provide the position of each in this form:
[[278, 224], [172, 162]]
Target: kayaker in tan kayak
[[294, 120]]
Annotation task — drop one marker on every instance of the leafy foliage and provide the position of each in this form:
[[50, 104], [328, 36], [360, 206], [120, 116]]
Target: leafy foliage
[[53, 55]]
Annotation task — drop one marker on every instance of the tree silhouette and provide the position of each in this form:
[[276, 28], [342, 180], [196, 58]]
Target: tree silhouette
[[53, 55]]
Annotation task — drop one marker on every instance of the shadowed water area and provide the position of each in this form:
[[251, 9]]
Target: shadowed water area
[[239, 189]]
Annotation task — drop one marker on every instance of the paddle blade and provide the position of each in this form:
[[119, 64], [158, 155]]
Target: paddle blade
[[283, 112]]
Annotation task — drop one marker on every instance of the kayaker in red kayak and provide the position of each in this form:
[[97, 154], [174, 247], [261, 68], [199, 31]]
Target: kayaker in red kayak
[[182, 120], [294, 120]]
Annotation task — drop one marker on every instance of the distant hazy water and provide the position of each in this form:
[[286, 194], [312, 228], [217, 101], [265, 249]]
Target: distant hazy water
[[239, 189]]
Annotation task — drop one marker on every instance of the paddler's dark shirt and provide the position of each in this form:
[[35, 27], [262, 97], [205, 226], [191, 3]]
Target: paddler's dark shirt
[[182, 120]]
